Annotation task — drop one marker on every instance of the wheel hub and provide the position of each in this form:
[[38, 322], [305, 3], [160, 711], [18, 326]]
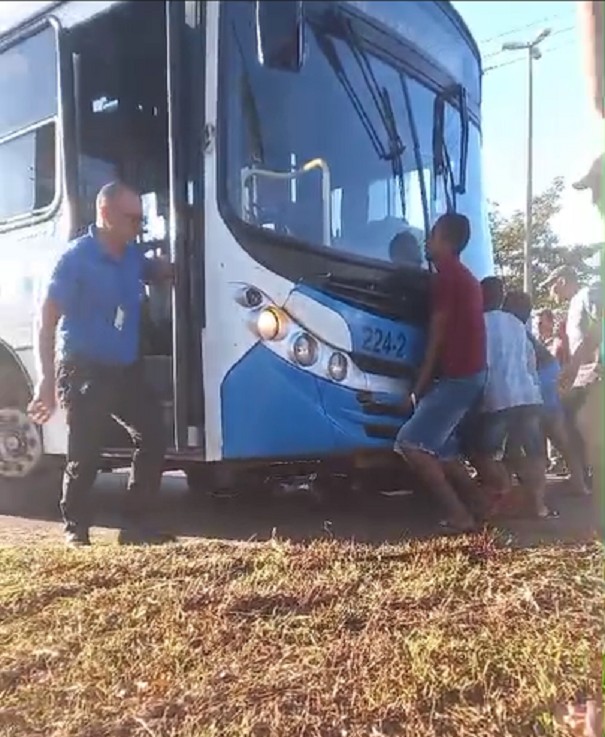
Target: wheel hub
[[20, 444]]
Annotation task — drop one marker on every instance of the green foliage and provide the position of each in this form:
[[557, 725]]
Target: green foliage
[[508, 235]]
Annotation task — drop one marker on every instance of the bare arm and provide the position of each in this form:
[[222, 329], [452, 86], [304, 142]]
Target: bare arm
[[61, 295], [44, 402], [425, 374], [588, 348], [435, 341], [584, 353], [158, 270]]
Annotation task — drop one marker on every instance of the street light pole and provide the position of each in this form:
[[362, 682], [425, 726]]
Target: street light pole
[[527, 253], [533, 54]]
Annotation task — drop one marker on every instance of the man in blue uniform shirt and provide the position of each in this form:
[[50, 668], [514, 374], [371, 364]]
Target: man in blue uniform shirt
[[93, 305]]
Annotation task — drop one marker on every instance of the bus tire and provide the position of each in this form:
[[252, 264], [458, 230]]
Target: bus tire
[[22, 463]]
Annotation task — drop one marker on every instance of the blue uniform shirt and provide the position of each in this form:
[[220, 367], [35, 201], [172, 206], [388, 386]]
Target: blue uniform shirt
[[100, 300]]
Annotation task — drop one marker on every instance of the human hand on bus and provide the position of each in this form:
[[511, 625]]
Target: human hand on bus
[[44, 402], [368, 401], [163, 270], [408, 405]]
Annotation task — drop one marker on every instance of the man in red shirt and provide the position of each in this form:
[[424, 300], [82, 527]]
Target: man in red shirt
[[452, 376]]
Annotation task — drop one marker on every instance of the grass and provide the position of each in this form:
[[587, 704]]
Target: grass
[[446, 637]]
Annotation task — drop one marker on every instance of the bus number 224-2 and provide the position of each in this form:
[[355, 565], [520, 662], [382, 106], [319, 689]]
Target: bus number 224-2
[[383, 342]]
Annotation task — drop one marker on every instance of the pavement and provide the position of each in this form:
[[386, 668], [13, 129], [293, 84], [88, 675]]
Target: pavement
[[29, 514]]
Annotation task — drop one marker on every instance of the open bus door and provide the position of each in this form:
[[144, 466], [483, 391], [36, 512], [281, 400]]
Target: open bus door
[[186, 87], [137, 112]]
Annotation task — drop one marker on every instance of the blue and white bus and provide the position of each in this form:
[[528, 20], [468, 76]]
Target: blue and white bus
[[291, 158]]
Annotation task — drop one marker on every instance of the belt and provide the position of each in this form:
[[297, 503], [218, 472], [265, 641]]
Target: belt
[[94, 368]]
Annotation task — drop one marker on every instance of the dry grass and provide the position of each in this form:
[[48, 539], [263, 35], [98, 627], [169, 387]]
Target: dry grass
[[460, 638]]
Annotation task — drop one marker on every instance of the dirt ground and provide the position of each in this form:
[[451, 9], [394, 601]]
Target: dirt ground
[[30, 514]]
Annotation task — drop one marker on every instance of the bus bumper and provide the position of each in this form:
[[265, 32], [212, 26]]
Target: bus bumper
[[272, 409]]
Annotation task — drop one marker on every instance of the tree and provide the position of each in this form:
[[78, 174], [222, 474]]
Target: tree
[[508, 237]]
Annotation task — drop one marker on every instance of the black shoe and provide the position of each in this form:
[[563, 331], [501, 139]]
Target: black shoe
[[77, 539], [144, 536]]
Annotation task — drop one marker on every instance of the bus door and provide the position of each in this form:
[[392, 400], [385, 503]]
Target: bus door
[[186, 58], [137, 116]]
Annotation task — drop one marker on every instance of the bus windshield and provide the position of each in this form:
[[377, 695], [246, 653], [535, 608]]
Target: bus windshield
[[371, 191]]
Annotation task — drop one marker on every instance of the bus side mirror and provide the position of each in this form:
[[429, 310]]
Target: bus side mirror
[[280, 34]]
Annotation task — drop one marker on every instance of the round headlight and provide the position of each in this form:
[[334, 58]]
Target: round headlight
[[304, 350], [268, 324], [337, 367]]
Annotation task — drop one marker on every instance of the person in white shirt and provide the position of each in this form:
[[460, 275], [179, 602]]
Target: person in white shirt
[[554, 424], [582, 375], [510, 413]]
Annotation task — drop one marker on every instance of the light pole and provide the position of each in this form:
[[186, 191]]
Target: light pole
[[533, 54]]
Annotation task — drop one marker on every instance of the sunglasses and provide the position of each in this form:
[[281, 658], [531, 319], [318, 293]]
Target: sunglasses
[[132, 218]]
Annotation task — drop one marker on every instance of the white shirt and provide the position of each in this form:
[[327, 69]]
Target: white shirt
[[584, 311], [512, 377]]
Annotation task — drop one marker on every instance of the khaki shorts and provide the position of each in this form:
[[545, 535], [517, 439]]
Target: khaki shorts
[[590, 424]]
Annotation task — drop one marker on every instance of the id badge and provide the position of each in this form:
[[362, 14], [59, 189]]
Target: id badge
[[118, 322]]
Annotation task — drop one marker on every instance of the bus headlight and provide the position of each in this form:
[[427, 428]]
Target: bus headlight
[[337, 367], [270, 324], [305, 350]]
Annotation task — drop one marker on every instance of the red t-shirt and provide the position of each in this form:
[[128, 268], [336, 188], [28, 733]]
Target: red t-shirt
[[456, 292]]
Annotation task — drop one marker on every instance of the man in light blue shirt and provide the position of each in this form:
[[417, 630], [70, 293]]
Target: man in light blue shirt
[[93, 302]]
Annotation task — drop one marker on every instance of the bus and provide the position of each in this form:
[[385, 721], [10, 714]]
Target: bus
[[291, 157]]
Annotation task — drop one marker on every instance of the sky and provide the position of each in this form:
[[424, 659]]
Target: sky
[[567, 134]]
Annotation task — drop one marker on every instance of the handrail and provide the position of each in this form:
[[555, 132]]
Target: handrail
[[249, 172]]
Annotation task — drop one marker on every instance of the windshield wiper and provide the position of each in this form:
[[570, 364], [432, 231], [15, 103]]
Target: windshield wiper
[[328, 49], [380, 96], [442, 159], [383, 103], [250, 107], [442, 163], [460, 93], [397, 147], [417, 156]]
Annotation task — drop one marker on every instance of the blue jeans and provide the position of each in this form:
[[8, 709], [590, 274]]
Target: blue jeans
[[434, 427], [549, 379]]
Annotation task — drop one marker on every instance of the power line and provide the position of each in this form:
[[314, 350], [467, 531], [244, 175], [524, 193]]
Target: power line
[[523, 28], [554, 33], [522, 59]]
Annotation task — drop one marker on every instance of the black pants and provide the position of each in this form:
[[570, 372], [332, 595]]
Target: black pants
[[92, 395]]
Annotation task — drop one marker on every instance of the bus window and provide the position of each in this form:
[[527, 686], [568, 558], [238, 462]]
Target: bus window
[[27, 173], [27, 126], [30, 67]]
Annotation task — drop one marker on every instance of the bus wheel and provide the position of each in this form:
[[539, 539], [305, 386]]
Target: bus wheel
[[20, 444], [20, 440], [22, 464]]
